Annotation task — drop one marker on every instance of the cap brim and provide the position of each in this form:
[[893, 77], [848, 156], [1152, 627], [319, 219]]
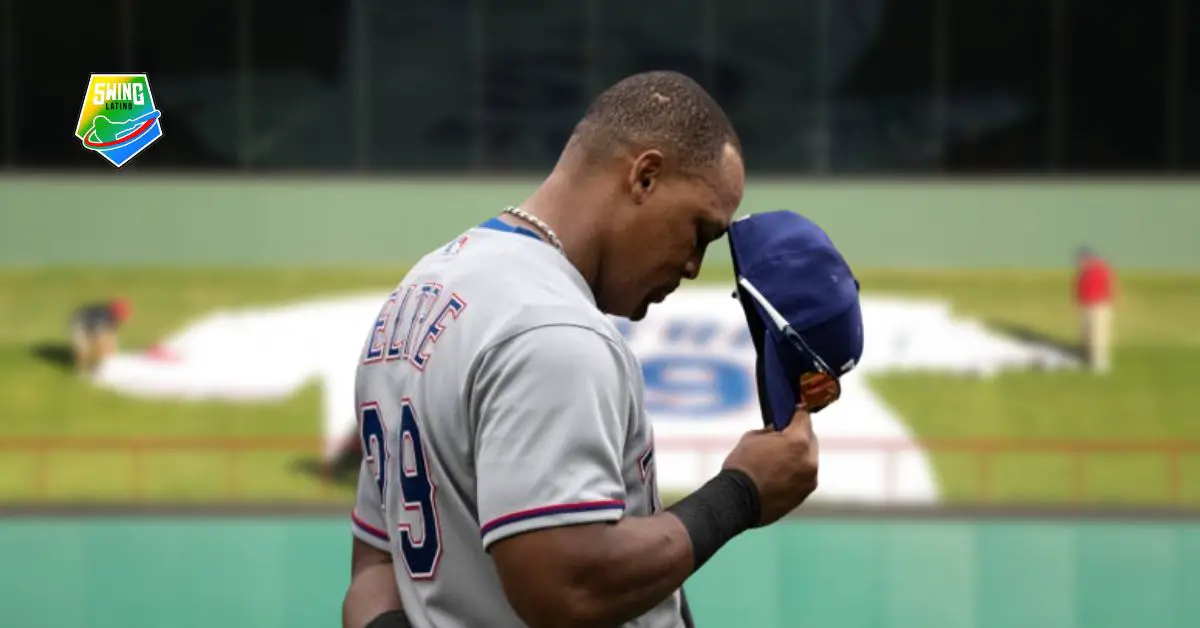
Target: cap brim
[[779, 364], [778, 392]]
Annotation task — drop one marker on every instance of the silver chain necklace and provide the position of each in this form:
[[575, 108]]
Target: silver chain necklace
[[537, 222]]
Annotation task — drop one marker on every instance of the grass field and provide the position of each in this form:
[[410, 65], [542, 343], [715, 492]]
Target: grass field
[[1149, 397]]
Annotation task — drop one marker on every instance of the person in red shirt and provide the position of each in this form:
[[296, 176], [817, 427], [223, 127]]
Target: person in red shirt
[[1094, 296]]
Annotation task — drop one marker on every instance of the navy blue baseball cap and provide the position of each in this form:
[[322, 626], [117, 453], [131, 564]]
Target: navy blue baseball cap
[[801, 301]]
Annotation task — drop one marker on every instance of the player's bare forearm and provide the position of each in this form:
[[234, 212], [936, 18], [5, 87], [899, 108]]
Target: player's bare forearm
[[594, 575], [372, 588]]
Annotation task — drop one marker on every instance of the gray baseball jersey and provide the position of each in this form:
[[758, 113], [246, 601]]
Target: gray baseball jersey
[[494, 398]]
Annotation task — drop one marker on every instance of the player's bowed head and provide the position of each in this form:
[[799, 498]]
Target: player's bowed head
[[651, 175]]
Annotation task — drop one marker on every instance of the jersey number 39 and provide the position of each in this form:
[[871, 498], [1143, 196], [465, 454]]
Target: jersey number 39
[[421, 548]]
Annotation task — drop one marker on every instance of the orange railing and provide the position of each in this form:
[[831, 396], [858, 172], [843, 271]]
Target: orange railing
[[233, 450], [137, 448], [984, 451]]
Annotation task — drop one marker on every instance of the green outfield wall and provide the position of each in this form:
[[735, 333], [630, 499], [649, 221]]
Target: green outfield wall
[[131, 219], [850, 573]]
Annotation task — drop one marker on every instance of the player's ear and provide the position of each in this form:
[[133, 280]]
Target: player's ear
[[645, 174]]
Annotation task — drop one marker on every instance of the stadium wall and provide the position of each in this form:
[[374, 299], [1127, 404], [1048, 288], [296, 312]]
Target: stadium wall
[[129, 219], [114, 572]]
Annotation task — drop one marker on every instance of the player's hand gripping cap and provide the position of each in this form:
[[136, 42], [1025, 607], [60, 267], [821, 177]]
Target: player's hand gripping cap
[[801, 302]]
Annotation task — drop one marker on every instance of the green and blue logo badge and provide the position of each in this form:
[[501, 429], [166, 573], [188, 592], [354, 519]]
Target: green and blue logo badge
[[118, 119]]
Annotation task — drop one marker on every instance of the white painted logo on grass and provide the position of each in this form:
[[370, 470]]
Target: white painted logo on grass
[[696, 356]]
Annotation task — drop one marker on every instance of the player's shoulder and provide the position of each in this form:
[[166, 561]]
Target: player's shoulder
[[520, 283], [550, 363]]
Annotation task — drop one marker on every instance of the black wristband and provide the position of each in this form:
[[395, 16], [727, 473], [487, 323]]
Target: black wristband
[[723, 508], [390, 619]]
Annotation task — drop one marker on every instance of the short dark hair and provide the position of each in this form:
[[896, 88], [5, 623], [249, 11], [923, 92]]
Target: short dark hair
[[660, 109]]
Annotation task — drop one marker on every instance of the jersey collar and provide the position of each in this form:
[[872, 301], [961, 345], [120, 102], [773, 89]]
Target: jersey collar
[[495, 224], [499, 225]]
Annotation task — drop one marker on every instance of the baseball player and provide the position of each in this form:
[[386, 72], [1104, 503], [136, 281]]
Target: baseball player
[[1094, 296], [508, 473], [94, 329]]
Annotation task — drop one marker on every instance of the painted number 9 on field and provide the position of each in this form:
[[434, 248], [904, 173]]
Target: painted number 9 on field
[[697, 387]]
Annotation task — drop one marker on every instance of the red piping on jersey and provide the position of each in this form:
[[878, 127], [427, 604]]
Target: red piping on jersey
[[368, 528], [543, 511]]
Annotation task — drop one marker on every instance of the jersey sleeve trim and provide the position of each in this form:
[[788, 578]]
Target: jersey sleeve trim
[[368, 533], [545, 516]]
